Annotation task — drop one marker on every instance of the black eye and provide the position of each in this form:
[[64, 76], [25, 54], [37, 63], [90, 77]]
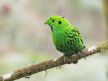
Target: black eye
[[53, 20], [59, 22]]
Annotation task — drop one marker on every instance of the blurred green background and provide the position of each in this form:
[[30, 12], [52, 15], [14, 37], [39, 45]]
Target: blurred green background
[[25, 39]]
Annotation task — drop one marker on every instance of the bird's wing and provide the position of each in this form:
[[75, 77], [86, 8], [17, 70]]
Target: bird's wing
[[76, 30]]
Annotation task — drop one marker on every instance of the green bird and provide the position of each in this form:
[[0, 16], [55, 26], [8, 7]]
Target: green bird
[[66, 37]]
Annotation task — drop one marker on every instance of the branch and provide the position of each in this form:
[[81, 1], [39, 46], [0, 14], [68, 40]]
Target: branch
[[43, 66]]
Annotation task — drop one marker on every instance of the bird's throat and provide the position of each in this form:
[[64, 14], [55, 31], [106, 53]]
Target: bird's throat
[[51, 28]]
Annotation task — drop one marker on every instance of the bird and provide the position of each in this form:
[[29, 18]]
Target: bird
[[66, 37]]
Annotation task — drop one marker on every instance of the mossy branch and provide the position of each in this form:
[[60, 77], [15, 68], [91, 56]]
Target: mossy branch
[[43, 66]]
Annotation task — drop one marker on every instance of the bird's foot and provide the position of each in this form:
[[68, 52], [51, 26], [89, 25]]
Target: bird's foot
[[81, 55], [75, 58], [69, 60]]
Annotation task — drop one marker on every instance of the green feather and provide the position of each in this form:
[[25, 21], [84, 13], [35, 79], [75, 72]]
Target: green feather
[[66, 37]]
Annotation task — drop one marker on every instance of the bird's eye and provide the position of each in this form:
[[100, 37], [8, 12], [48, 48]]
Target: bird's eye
[[53, 20], [59, 22]]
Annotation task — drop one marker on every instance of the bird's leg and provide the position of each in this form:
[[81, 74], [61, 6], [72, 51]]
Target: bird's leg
[[83, 53], [80, 54], [64, 57], [75, 58], [69, 60]]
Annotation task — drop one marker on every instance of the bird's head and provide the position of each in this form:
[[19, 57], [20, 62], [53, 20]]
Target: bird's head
[[57, 22]]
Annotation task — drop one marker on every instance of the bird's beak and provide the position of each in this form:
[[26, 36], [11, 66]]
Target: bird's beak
[[47, 21]]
